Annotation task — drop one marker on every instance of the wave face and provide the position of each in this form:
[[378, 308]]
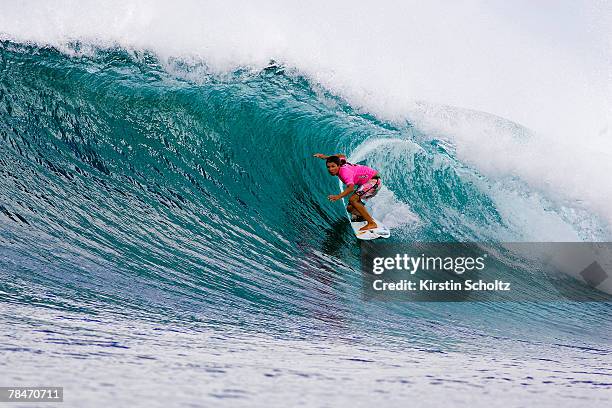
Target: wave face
[[168, 192]]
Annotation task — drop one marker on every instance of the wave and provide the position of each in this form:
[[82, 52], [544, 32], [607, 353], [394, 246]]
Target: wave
[[189, 195], [548, 76]]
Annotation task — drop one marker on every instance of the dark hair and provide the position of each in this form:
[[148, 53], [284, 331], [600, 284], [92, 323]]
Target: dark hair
[[339, 161]]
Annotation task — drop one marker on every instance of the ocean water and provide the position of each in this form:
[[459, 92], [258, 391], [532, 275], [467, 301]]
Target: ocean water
[[165, 239]]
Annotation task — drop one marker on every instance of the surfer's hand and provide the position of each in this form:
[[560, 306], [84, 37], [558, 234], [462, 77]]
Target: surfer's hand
[[333, 197], [319, 156]]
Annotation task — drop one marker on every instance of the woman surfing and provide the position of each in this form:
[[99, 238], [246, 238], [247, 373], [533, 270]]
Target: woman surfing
[[362, 183]]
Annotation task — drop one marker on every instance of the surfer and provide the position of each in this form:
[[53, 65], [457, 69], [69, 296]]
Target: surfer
[[366, 180]]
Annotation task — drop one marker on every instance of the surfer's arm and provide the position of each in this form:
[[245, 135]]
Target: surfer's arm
[[324, 157], [347, 191]]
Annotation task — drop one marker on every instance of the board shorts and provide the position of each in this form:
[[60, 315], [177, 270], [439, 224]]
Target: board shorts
[[369, 189]]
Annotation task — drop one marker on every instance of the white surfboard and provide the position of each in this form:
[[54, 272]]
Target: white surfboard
[[381, 231]]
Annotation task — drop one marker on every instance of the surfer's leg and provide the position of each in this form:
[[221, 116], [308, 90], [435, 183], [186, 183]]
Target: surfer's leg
[[352, 210], [355, 202], [356, 216]]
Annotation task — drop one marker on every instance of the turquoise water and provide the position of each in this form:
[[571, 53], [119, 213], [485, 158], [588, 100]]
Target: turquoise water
[[148, 208]]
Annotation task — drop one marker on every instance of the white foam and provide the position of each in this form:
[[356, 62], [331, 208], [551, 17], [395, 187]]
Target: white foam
[[543, 64], [392, 212], [573, 171]]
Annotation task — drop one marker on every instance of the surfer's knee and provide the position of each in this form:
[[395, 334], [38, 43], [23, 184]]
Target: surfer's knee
[[349, 208]]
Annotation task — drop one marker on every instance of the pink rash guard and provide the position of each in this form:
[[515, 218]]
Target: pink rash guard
[[356, 174]]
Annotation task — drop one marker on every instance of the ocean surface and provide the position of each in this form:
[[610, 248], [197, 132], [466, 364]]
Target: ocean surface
[[165, 240]]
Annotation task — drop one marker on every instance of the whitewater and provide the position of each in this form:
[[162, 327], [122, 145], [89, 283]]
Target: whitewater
[[165, 229]]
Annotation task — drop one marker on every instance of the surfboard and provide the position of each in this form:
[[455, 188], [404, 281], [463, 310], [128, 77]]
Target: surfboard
[[379, 232]]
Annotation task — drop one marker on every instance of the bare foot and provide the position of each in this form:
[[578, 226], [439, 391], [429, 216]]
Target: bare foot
[[368, 226]]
